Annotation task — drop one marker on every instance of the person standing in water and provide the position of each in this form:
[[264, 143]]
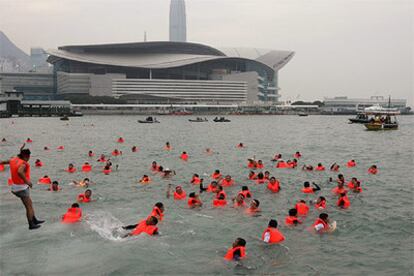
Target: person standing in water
[[20, 175]]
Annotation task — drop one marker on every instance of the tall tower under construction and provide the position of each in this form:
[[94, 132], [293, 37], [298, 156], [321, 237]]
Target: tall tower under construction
[[178, 24]]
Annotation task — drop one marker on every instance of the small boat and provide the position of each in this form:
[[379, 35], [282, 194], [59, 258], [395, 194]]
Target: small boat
[[64, 118], [221, 120], [381, 119], [302, 114], [149, 120], [198, 120], [360, 118]]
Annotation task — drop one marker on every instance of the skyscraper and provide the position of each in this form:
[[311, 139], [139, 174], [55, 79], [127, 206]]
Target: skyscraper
[[178, 25]]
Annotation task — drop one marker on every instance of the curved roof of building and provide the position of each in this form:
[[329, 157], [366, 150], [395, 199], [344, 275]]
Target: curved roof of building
[[160, 55]]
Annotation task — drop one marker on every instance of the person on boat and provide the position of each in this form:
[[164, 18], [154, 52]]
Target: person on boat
[[273, 185], [321, 224], [334, 167], [271, 234], [307, 189], [147, 226], [73, 214], [54, 187], [158, 211], [238, 250], [21, 184], [373, 169], [292, 218], [254, 207], [343, 201], [145, 179], [302, 208], [319, 167], [194, 201], [38, 163], [320, 203], [252, 175], [167, 146], [85, 197]]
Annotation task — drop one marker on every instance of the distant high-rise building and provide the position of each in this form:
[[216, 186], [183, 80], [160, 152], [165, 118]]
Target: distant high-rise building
[[178, 25]]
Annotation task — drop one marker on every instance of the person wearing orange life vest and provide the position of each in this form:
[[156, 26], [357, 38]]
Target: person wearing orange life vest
[[73, 215], [154, 166], [212, 187], [91, 154], [252, 175], [60, 148], [179, 193], [167, 146], [292, 218], [145, 179], [302, 208], [251, 163], [86, 197], [321, 224], [245, 192], [1, 168], [28, 140], [357, 187], [307, 189], [273, 185], [227, 181], [297, 155], [86, 167], [20, 176], [266, 175], [158, 211], [254, 207], [220, 192], [147, 226], [373, 169], [216, 175], [38, 163], [351, 163], [184, 156], [194, 201], [240, 145], [134, 149], [220, 200], [259, 164], [44, 180], [195, 179], [292, 164], [339, 189], [120, 140], [54, 187], [320, 203], [71, 168], [116, 152], [260, 179], [334, 167], [319, 167], [102, 158], [354, 181], [238, 201], [343, 201], [271, 234], [238, 250]]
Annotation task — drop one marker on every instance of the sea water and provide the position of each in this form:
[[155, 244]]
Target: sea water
[[373, 237]]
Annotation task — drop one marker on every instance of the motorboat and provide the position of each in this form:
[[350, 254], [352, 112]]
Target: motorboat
[[221, 120], [198, 120], [382, 118], [149, 120], [360, 118]]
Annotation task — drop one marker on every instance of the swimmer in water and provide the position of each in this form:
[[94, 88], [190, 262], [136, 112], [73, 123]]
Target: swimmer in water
[[91, 154], [167, 146], [145, 179], [194, 201], [179, 193], [73, 215], [147, 226], [292, 218], [158, 211], [4, 140], [71, 168], [154, 166], [254, 207], [167, 173], [195, 179], [21, 184], [83, 183], [271, 234], [277, 157], [245, 192], [343, 201], [321, 224], [238, 250], [209, 151], [240, 145], [320, 203], [373, 169], [334, 167], [307, 189], [252, 175], [54, 187], [45, 148], [307, 168], [86, 197], [238, 201]]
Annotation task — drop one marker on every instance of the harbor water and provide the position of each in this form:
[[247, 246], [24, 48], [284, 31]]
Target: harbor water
[[373, 237]]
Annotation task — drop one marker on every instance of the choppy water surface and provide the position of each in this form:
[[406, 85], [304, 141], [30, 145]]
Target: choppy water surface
[[375, 236]]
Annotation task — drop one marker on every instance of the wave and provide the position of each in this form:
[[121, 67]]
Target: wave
[[106, 225]]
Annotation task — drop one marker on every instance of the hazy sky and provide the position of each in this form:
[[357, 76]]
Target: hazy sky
[[343, 47]]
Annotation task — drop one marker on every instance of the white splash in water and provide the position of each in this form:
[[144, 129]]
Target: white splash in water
[[106, 225]]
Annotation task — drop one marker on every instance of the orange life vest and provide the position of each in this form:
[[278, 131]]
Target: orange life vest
[[297, 155], [246, 194], [38, 164], [15, 164], [252, 177], [219, 202], [211, 188], [260, 181], [230, 253], [302, 208], [105, 171], [116, 153], [320, 205], [29, 141], [180, 196], [1, 167], [195, 180], [350, 164], [72, 215], [184, 156], [86, 168], [71, 170], [345, 200], [216, 175], [275, 235], [338, 190], [372, 171], [61, 148], [120, 140], [290, 220], [275, 187], [45, 180], [259, 166], [156, 212], [319, 168], [282, 165], [227, 183], [83, 198], [192, 202], [145, 180], [357, 190], [320, 221], [221, 193], [91, 154], [251, 165], [155, 168], [142, 227], [308, 190]]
